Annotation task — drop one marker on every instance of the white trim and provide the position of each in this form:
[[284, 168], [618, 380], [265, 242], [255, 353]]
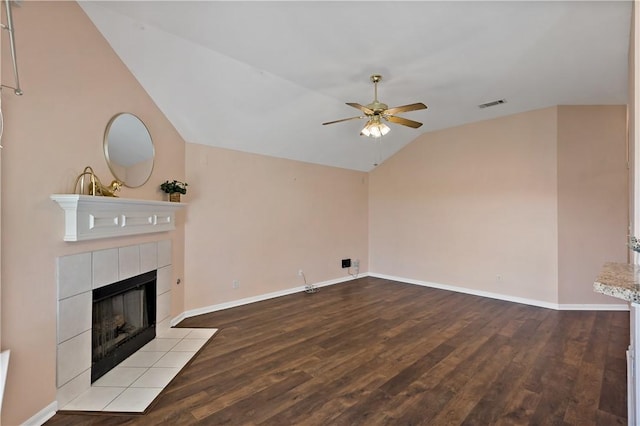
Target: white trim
[[88, 218], [43, 415], [515, 299], [175, 321], [593, 307], [234, 303], [4, 367], [240, 302]]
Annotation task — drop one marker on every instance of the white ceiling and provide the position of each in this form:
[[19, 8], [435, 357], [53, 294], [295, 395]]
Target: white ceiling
[[262, 76]]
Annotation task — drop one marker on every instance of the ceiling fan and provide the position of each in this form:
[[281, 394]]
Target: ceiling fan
[[376, 111]]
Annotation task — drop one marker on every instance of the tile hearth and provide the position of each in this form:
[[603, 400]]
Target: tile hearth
[[136, 382]]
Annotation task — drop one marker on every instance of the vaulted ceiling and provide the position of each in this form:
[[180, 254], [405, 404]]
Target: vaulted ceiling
[[262, 76]]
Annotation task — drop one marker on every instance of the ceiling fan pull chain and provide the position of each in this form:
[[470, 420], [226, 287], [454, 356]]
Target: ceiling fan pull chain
[[377, 151]]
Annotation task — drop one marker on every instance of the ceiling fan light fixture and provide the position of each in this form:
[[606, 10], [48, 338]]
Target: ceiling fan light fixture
[[375, 129]]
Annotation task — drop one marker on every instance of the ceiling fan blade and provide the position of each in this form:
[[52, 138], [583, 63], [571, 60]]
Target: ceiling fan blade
[[405, 108], [344, 119], [403, 121], [362, 108]]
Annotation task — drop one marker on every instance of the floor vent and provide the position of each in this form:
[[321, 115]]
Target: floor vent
[[493, 103]]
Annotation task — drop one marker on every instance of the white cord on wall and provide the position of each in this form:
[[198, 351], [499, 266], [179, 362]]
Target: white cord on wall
[[308, 288], [357, 268], [1, 120]]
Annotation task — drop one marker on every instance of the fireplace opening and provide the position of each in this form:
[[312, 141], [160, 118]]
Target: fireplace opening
[[123, 320]]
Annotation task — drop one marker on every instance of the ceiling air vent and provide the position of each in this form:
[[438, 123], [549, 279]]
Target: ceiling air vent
[[492, 103]]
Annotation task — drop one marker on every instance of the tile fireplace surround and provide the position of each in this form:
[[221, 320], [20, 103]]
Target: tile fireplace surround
[[77, 276]]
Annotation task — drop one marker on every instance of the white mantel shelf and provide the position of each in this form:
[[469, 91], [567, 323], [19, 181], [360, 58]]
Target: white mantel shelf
[[89, 218]]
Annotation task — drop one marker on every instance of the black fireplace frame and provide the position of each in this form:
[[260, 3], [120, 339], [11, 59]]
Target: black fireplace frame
[[125, 349]]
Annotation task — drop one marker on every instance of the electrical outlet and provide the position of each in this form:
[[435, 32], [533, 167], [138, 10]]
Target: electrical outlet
[[300, 273], [346, 263], [356, 263], [236, 284]]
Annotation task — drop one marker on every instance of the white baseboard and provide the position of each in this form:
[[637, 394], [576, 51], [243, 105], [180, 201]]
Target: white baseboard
[[43, 415], [592, 307], [175, 321], [532, 302], [507, 298], [234, 303]]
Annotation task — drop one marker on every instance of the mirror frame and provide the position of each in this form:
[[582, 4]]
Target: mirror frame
[[112, 164]]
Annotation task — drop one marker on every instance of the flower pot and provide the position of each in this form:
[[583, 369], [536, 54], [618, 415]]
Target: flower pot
[[174, 197]]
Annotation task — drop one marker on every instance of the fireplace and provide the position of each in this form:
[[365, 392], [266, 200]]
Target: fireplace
[[123, 320], [77, 276]]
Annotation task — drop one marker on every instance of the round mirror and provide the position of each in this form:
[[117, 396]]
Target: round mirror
[[128, 149]]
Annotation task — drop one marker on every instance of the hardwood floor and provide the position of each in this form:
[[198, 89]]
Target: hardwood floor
[[374, 352]]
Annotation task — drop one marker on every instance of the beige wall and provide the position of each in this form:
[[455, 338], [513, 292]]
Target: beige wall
[[592, 197], [458, 206], [461, 206], [73, 84], [259, 220]]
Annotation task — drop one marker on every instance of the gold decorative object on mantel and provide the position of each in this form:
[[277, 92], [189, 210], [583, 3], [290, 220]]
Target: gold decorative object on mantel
[[94, 186]]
